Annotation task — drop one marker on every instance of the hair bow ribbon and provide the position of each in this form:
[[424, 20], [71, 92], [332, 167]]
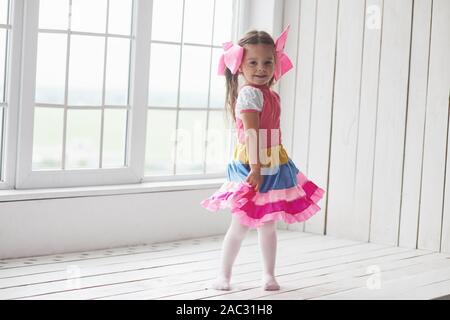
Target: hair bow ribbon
[[232, 55], [283, 64]]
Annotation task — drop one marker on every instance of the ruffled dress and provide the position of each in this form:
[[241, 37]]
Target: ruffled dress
[[286, 193]]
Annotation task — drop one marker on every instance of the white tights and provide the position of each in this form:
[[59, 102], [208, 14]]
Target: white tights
[[230, 248]]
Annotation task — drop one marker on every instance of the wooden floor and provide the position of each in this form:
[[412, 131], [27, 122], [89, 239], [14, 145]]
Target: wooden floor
[[308, 267]]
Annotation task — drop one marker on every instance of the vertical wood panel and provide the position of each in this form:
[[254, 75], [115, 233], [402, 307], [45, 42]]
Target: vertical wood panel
[[303, 89], [291, 16], [367, 118], [430, 220], [321, 106], [409, 212], [445, 240], [342, 220], [390, 128]]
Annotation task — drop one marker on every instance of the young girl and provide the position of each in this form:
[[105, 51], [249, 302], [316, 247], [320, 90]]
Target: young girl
[[263, 184]]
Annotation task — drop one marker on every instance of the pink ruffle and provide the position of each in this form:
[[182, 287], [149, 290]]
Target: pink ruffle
[[291, 205]]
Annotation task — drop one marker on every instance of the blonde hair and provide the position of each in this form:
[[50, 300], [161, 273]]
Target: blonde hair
[[251, 37]]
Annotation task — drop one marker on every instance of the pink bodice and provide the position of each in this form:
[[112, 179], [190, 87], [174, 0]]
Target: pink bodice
[[269, 123]]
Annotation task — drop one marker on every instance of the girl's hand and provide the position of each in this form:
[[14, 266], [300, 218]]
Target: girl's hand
[[255, 179]]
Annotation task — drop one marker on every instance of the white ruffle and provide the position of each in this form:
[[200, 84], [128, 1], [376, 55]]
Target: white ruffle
[[249, 98]]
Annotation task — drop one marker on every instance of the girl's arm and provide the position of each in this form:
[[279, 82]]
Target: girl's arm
[[250, 121]]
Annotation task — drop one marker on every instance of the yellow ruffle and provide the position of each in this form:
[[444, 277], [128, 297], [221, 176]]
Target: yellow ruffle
[[269, 157]]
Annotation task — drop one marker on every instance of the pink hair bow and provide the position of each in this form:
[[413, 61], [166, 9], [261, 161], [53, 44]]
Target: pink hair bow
[[283, 64], [231, 57], [233, 54]]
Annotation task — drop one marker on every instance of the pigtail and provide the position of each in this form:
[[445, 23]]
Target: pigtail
[[231, 92]]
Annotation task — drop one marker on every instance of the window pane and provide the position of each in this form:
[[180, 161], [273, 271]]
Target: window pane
[[114, 134], [167, 17], [198, 16], [2, 63], [51, 68], [86, 70], [117, 71], [119, 21], [160, 142], [3, 11], [47, 138], [194, 77], [83, 139], [163, 82], [223, 21], [191, 142], [88, 15], [54, 14], [217, 94], [217, 154]]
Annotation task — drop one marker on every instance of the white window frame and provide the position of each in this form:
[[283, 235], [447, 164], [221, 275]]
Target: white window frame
[[12, 84], [134, 168], [18, 171], [237, 9]]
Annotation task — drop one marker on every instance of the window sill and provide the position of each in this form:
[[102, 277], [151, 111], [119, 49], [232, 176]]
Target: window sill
[[94, 191]]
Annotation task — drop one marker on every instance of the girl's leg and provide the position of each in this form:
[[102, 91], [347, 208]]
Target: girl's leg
[[230, 248], [267, 234]]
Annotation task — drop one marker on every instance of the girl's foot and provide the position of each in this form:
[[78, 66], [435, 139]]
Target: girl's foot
[[269, 283], [221, 283]]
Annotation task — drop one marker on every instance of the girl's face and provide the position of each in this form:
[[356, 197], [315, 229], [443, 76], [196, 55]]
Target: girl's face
[[258, 63]]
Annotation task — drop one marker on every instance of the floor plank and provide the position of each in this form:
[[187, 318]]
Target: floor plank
[[309, 266]]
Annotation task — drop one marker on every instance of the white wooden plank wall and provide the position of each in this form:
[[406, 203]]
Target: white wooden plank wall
[[417, 101], [347, 79], [302, 16], [370, 116], [436, 126], [322, 97], [390, 121], [362, 199]]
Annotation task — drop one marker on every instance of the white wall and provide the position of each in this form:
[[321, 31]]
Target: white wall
[[49, 226], [369, 109]]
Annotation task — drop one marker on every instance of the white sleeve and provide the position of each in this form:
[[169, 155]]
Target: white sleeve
[[249, 99]]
